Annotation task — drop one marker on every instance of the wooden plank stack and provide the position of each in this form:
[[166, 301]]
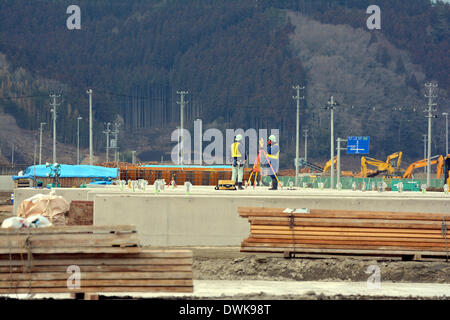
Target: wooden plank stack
[[345, 232], [109, 259]]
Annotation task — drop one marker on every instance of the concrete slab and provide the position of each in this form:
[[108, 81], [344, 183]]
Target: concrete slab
[[209, 217], [224, 288]]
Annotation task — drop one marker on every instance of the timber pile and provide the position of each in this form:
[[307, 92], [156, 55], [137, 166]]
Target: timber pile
[[345, 232], [109, 259]]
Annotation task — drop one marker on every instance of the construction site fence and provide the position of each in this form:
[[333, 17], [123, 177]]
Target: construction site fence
[[347, 182], [196, 177]]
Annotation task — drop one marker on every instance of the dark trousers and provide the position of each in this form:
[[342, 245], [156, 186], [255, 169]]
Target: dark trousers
[[274, 182]]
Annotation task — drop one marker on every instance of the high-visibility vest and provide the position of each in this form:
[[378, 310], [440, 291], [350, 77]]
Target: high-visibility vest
[[234, 150], [274, 156]]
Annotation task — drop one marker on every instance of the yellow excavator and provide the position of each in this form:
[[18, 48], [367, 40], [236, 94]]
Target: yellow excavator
[[328, 164], [395, 155], [327, 167], [382, 167], [439, 160]]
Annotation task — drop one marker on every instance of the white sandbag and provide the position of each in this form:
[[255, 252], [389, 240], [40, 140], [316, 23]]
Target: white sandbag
[[50, 206], [38, 221], [15, 223]]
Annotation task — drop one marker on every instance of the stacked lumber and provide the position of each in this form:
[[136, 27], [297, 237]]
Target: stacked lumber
[[109, 259], [344, 232]]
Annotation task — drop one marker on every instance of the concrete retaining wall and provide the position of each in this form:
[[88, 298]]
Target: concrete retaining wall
[[6, 184], [201, 220]]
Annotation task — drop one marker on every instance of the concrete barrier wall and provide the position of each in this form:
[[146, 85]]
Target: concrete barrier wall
[[200, 220], [6, 184]]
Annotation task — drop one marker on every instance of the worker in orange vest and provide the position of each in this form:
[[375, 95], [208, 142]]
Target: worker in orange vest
[[273, 151]]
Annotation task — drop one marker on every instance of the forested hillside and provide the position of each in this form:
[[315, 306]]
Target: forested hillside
[[238, 60]]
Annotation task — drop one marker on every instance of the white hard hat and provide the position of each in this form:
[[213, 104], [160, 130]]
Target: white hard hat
[[239, 137], [273, 138]]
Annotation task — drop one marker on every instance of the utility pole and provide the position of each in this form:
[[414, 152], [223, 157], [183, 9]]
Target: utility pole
[[78, 139], [54, 105], [306, 143], [115, 145], [338, 169], [40, 142], [424, 150], [12, 155], [182, 103], [91, 145], [297, 141], [446, 132], [331, 106], [35, 147], [430, 97], [107, 140]]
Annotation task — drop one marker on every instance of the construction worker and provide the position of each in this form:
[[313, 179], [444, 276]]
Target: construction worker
[[272, 151], [238, 158]]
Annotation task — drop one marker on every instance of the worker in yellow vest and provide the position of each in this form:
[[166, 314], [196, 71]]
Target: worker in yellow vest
[[273, 152], [238, 159]]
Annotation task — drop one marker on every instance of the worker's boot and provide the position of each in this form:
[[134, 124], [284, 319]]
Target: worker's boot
[[240, 186], [274, 185]]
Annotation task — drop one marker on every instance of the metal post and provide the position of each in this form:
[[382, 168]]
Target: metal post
[[430, 97], [182, 103], [332, 104], [40, 143], [35, 147], [446, 132], [338, 169], [306, 144], [91, 145], [78, 139], [424, 150], [116, 146], [297, 135], [107, 140], [54, 105]]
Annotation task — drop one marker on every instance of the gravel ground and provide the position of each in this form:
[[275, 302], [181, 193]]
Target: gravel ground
[[234, 265]]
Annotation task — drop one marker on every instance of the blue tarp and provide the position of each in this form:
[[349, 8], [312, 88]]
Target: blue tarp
[[70, 171], [100, 182]]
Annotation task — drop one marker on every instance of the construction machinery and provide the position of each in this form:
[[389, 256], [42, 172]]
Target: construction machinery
[[398, 156], [328, 164], [387, 168], [382, 167], [226, 185], [305, 164], [438, 159]]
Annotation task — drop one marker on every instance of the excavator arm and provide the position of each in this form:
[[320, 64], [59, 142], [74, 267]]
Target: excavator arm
[[423, 163], [380, 165], [328, 164], [396, 155]]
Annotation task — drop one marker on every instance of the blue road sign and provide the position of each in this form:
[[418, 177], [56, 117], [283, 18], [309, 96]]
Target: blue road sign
[[358, 145]]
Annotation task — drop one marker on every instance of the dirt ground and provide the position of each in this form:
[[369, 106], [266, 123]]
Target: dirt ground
[[230, 264]]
